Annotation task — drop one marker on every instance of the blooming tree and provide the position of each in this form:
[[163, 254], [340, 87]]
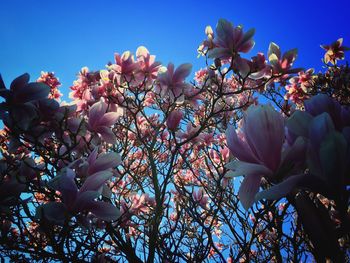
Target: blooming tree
[[144, 165]]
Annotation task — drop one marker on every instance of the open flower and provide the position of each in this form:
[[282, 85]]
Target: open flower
[[75, 201], [100, 121], [258, 149], [326, 132], [102, 162], [125, 65], [172, 82], [148, 65], [281, 63], [19, 108], [334, 51], [201, 198], [230, 40]]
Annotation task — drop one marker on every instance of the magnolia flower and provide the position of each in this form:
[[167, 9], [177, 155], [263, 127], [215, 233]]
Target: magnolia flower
[[19, 109], [75, 201], [96, 162], [148, 65], [335, 51], [201, 198], [138, 204], [174, 119], [259, 150], [327, 134], [281, 63], [230, 40], [52, 81], [100, 121], [125, 65], [102, 162], [190, 132], [172, 82]]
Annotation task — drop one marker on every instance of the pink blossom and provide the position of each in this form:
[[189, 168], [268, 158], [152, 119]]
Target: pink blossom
[[335, 51], [297, 90], [190, 132], [172, 82], [258, 149], [201, 75], [52, 81], [201, 198], [141, 203], [231, 40], [125, 65], [100, 121], [75, 201], [281, 63], [102, 162], [148, 65], [174, 119]]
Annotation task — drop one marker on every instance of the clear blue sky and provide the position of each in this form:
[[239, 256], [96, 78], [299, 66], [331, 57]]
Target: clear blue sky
[[62, 36]]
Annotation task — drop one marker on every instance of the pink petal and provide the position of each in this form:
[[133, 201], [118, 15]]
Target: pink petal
[[239, 148], [280, 190], [248, 189], [107, 134], [182, 72], [95, 181], [142, 52], [225, 32], [104, 162], [96, 112], [242, 168], [220, 52], [84, 200], [93, 156], [264, 131], [104, 211], [109, 119]]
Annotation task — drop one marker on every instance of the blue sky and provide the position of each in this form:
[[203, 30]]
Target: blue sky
[[63, 36]]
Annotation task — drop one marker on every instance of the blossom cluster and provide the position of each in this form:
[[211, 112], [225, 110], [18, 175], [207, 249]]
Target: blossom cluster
[[139, 165]]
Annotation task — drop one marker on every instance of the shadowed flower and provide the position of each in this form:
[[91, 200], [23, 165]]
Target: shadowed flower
[[281, 63], [201, 198], [172, 82], [335, 51], [230, 40], [75, 201], [258, 149], [102, 162], [174, 119], [327, 136], [100, 121], [19, 109]]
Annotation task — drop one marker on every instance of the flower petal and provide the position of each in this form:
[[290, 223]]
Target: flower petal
[[52, 211], [96, 112], [280, 190], [264, 131], [240, 168], [239, 148], [299, 123], [95, 181], [248, 189], [109, 119], [104, 211], [107, 134], [182, 72], [104, 162]]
